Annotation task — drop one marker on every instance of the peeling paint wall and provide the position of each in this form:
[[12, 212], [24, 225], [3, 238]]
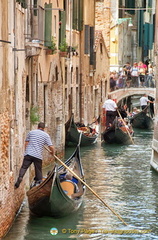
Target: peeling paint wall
[[12, 120]]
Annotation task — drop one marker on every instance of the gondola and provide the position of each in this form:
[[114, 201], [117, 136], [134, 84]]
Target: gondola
[[59, 194], [142, 120], [117, 134], [73, 131]]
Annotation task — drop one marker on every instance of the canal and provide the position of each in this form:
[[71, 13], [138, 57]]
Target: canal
[[122, 177]]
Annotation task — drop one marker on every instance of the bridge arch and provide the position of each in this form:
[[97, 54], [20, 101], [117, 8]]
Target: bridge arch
[[126, 92]]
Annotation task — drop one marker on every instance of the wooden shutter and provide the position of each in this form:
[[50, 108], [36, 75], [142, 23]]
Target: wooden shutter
[[151, 36], [62, 31], [146, 39], [130, 4], [75, 15], [48, 24], [141, 22], [149, 3], [40, 23], [80, 16], [91, 45], [86, 39]]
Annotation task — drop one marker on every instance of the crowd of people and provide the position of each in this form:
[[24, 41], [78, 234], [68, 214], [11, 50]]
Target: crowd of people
[[137, 75]]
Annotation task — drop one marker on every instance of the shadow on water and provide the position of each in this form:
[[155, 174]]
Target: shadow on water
[[122, 177]]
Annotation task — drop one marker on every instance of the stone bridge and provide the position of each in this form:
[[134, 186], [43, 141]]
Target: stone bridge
[[126, 92]]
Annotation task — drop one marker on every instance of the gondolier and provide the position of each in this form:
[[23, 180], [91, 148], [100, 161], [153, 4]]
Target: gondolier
[[34, 143], [144, 102], [109, 108]]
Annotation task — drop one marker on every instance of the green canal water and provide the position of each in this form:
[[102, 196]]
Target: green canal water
[[122, 177]]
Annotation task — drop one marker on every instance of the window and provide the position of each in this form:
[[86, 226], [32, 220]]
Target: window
[[45, 102], [65, 93], [101, 48], [22, 2], [65, 75], [35, 8], [55, 25], [27, 90], [130, 4], [56, 73], [77, 75], [71, 74]]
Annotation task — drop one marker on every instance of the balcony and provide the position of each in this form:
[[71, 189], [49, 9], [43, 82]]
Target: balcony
[[33, 48]]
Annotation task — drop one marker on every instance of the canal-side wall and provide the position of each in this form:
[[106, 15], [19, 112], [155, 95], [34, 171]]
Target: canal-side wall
[[154, 156], [12, 107]]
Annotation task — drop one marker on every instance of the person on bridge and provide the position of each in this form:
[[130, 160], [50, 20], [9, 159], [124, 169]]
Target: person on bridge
[[144, 102], [142, 73], [149, 80], [110, 110], [134, 74], [127, 69]]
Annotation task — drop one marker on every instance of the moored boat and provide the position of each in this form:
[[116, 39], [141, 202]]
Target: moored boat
[[142, 120], [60, 193], [119, 134], [73, 131]]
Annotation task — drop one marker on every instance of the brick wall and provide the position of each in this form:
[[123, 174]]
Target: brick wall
[[10, 199]]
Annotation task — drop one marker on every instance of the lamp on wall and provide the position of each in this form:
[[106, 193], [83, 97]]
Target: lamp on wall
[[121, 20]]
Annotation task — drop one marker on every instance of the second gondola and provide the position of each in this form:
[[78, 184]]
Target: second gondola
[[118, 133]]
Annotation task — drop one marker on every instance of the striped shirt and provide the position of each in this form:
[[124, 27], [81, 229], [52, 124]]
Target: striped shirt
[[36, 140]]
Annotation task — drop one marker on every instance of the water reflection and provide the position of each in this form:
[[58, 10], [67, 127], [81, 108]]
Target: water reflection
[[122, 177]]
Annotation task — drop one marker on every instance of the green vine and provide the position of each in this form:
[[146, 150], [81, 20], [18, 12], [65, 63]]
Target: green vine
[[34, 115]]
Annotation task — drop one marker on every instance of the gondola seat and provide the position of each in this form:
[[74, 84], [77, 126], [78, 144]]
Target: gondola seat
[[68, 187]]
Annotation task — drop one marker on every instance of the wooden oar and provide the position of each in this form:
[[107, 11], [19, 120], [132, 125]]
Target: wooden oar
[[145, 108], [125, 125], [75, 175]]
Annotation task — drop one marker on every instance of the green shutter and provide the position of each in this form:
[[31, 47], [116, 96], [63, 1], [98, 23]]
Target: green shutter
[[75, 18], [149, 3], [151, 30], [80, 16], [48, 25], [130, 4], [146, 34], [91, 45], [146, 39], [140, 32], [62, 31], [35, 6]]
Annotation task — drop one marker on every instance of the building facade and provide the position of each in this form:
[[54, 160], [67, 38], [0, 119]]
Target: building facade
[[132, 32], [154, 156], [48, 70]]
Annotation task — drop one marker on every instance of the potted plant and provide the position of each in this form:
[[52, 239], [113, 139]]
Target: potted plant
[[63, 48], [52, 48]]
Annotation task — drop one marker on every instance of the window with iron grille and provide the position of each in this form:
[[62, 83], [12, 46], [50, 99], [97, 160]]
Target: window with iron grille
[[22, 3]]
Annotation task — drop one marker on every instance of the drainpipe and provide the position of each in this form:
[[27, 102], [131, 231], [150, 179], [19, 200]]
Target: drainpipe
[[80, 86], [15, 74]]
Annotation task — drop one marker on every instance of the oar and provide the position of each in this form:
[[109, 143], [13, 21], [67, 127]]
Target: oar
[[125, 124], [145, 108], [75, 175]]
